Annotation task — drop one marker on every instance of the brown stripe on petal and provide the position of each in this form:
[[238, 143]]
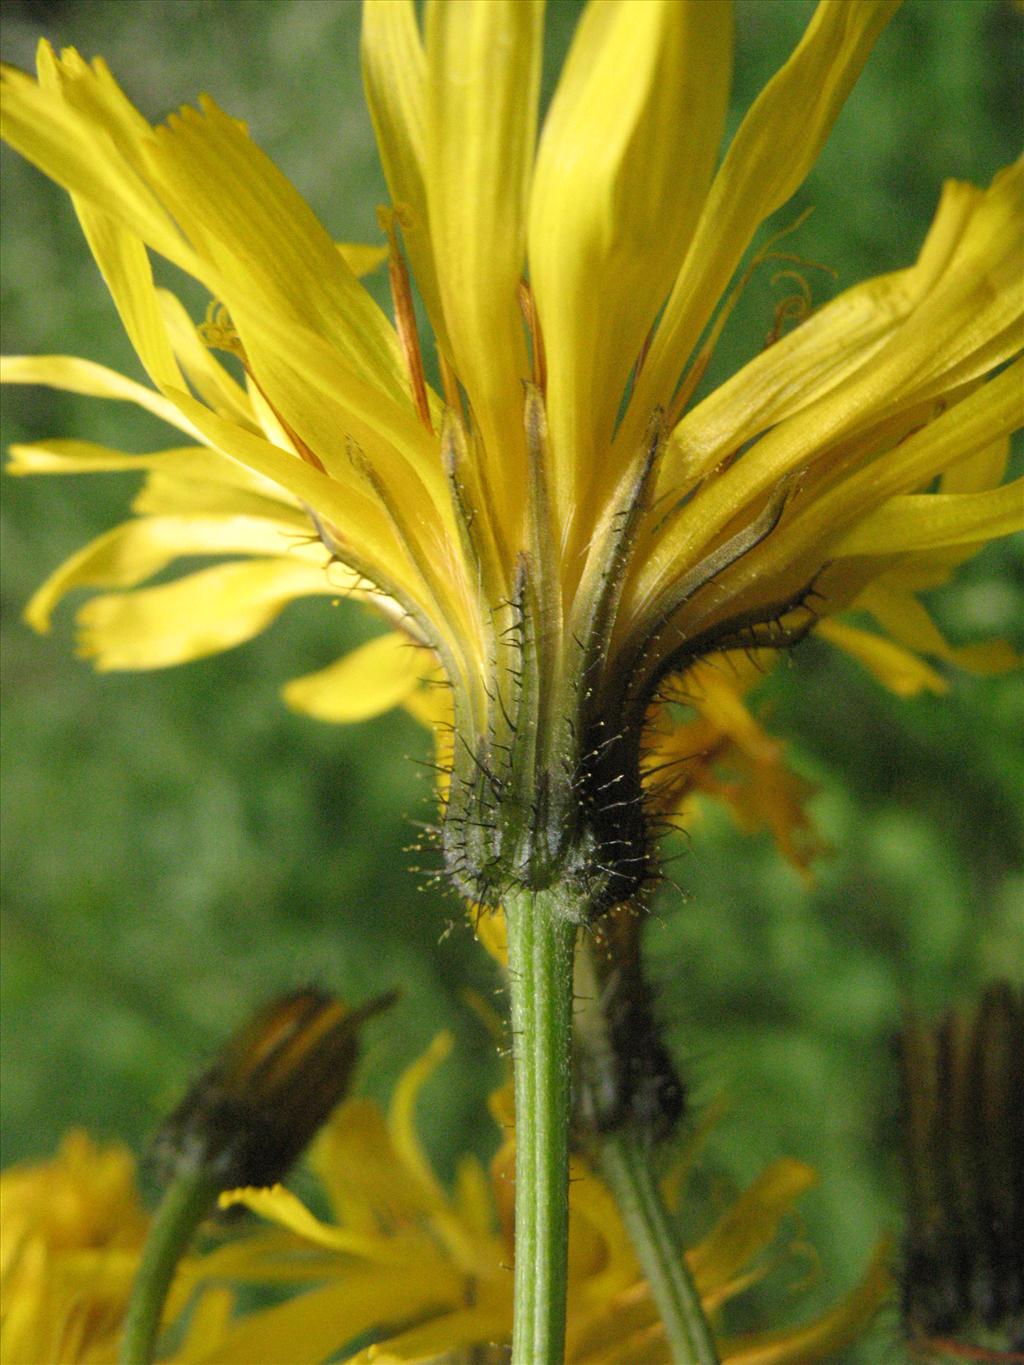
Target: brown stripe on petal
[[405, 315]]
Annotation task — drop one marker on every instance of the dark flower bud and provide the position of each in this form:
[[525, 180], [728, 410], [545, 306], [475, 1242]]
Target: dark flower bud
[[249, 1117], [626, 1077], [963, 1116]]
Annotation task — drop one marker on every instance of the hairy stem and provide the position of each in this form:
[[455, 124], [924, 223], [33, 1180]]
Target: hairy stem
[[541, 936]]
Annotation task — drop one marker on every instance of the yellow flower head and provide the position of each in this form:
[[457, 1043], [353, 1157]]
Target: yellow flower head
[[73, 1229], [73, 1232], [560, 528]]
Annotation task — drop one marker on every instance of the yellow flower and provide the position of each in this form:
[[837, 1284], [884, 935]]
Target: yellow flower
[[73, 1230], [722, 752], [426, 1272], [565, 528]]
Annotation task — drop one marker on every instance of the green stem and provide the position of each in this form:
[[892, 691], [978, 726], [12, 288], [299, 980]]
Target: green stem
[[627, 1169], [185, 1204], [541, 935]]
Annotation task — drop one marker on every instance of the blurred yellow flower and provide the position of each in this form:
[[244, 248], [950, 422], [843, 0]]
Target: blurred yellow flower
[[554, 558], [73, 1230]]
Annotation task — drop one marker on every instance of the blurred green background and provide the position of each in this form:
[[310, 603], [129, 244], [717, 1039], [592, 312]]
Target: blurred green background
[[177, 846]]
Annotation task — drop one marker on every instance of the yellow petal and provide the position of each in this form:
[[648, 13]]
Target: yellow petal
[[310, 381], [482, 80], [907, 620], [184, 481], [64, 132], [313, 1327], [624, 163], [771, 154], [136, 550], [442, 1336], [621, 1336], [983, 470], [895, 668], [717, 694], [831, 345], [125, 266], [264, 241], [68, 456], [358, 519], [401, 1117], [204, 483], [985, 416], [394, 76], [372, 679], [602, 1262], [937, 521], [261, 1255], [280, 1206], [383, 488], [207, 1326], [333, 411], [362, 258], [973, 320], [431, 706], [202, 614], [254, 238], [473, 1196], [70, 373], [725, 754], [368, 1186], [967, 320], [823, 1338], [750, 1224], [384, 491], [489, 926], [256, 235]]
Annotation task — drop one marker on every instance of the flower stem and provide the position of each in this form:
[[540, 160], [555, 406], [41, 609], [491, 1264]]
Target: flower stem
[[627, 1169], [541, 935], [185, 1204]]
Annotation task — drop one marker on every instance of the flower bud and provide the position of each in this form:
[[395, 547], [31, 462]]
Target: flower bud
[[963, 1115], [625, 1074], [250, 1115]]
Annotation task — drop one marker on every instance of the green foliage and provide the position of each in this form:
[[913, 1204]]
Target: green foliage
[[178, 846]]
